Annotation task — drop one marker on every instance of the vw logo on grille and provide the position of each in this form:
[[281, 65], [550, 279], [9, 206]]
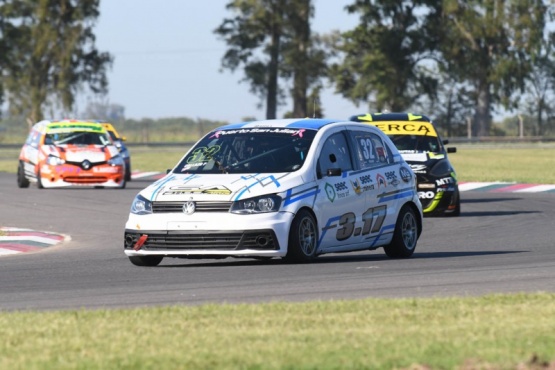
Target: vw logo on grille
[[86, 164], [189, 207]]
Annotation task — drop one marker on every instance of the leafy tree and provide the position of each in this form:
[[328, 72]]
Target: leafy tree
[[113, 113], [385, 57], [490, 45], [451, 110], [272, 41], [540, 85], [10, 36], [304, 57], [257, 25], [54, 55]]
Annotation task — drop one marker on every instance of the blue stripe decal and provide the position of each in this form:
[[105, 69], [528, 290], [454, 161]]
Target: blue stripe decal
[[382, 231], [398, 195], [327, 227], [309, 123], [258, 181], [289, 197], [160, 184]]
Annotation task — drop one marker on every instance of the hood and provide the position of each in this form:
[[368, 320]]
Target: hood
[[421, 161], [216, 187], [79, 153]]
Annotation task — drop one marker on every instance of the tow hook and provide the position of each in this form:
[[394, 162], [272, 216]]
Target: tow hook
[[139, 244]]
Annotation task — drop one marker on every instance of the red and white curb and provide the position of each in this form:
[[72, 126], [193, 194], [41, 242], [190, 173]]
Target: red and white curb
[[142, 175], [15, 240], [495, 187], [505, 187]]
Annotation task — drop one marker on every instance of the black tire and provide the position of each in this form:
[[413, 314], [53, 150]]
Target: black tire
[[39, 181], [457, 211], [127, 173], [405, 235], [303, 238], [22, 181], [148, 261]]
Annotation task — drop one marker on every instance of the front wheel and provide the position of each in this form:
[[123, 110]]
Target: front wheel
[[457, 211], [405, 235], [39, 181], [149, 261], [303, 238], [22, 181]]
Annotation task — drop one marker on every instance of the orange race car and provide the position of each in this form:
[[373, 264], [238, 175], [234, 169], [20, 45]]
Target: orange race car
[[70, 153]]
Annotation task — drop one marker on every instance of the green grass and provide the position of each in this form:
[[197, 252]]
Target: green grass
[[522, 164], [493, 332], [490, 332], [531, 164]]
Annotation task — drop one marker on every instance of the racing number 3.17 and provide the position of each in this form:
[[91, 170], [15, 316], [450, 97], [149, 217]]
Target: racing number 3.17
[[373, 220]]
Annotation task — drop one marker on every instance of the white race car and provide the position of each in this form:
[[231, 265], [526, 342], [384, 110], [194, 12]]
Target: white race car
[[289, 188]]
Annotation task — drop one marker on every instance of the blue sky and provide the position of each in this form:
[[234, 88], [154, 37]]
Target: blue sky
[[167, 60]]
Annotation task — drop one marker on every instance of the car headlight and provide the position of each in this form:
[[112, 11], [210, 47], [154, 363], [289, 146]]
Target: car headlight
[[116, 161], [141, 206], [441, 169], [263, 204], [54, 161]]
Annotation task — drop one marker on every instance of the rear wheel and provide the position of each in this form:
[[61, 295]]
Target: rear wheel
[[22, 181], [303, 238], [405, 235], [149, 261], [128, 173]]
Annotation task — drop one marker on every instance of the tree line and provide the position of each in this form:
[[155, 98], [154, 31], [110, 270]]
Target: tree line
[[48, 55], [460, 62]]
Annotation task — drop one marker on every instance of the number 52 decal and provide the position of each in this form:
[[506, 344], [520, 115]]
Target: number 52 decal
[[373, 220]]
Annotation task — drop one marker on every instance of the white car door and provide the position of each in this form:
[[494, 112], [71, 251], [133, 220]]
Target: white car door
[[382, 184], [337, 202]]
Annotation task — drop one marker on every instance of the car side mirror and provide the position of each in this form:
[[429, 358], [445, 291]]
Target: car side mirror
[[168, 170], [445, 142], [452, 150]]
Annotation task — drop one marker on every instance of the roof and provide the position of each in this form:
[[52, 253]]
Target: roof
[[399, 123], [370, 117], [47, 126], [293, 123]]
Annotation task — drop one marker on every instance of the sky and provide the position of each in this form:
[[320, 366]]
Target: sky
[[167, 60]]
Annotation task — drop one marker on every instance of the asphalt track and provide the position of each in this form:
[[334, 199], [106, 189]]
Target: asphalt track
[[502, 242]]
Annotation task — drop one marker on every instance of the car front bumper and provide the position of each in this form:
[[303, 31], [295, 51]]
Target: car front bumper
[[208, 235]]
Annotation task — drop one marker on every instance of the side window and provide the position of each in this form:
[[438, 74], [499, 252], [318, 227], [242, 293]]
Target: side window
[[33, 139], [335, 154], [382, 150], [370, 150]]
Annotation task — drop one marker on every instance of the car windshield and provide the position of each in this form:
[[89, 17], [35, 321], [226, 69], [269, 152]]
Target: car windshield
[[416, 143], [113, 135], [249, 150], [77, 138]]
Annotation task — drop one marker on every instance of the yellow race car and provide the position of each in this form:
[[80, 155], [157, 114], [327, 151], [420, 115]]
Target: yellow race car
[[421, 146]]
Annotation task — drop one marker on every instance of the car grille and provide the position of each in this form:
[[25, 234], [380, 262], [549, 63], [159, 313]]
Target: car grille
[[85, 180], [92, 164], [182, 240], [177, 207]]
